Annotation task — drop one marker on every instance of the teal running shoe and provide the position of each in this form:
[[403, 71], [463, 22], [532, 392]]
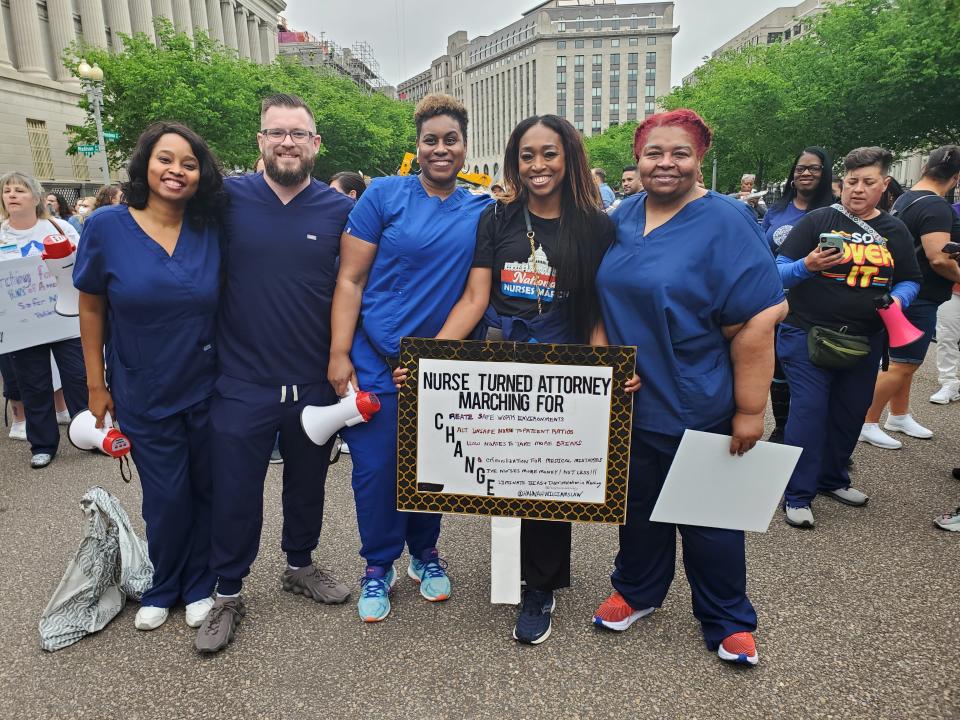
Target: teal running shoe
[[430, 572], [375, 588]]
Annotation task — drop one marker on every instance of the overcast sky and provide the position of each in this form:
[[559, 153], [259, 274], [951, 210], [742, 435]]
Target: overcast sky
[[406, 35]]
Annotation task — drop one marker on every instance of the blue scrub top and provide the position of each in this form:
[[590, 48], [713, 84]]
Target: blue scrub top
[[161, 310], [777, 224], [670, 293], [424, 253]]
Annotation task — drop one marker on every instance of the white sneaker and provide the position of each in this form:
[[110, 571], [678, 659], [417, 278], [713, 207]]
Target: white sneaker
[[946, 394], [63, 417], [801, 517], [907, 425], [150, 617], [345, 449], [197, 612], [871, 433], [18, 430], [848, 496]]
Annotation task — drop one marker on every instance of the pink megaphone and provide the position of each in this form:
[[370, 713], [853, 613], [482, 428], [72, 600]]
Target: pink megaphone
[[901, 331]]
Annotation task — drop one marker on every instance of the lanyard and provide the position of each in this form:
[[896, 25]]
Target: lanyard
[[533, 257]]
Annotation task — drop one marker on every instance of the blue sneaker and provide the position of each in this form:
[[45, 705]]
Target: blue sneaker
[[534, 620], [430, 572], [375, 588]]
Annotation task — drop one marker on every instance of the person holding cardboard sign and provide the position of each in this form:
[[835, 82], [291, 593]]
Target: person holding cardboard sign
[[692, 283]]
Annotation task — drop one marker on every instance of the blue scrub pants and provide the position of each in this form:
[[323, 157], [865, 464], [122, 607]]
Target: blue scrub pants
[[32, 368], [827, 408], [383, 529], [714, 559], [173, 460], [245, 419], [11, 390]]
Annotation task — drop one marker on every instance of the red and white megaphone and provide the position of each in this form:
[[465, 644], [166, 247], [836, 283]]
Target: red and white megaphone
[[900, 330], [85, 435], [321, 422], [60, 255]]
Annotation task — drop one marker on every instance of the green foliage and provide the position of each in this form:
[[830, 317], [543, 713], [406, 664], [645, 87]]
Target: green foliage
[[870, 72], [612, 150], [204, 85]]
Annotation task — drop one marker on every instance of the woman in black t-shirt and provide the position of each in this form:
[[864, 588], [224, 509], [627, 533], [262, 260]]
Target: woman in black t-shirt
[[933, 224], [539, 248], [838, 291]]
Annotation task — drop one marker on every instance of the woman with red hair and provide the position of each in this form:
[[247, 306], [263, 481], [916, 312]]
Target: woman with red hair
[[691, 281]]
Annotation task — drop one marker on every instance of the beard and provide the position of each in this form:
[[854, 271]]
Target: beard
[[287, 177]]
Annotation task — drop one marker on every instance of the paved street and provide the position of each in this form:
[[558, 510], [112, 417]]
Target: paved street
[[858, 618]]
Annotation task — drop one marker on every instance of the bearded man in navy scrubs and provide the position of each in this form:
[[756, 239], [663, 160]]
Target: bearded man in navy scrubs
[[282, 241]]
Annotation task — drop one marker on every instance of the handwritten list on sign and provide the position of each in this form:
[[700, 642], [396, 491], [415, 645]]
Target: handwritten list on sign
[[514, 430], [28, 295]]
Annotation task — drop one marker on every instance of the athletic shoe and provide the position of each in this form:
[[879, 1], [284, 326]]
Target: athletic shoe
[[63, 417], [616, 614], [375, 588], [946, 394], [872, 434], [907, 425], [799, 517], [345, 449], [533, 622], [41, 460], [739, 648], [197, 612], [18, 430], [848, 496], [430, 573], [776, 436], [150, 617], [949, 521], [315, 583], [220, 625]]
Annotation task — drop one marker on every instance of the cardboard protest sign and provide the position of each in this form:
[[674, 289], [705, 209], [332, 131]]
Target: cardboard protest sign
[[28, 295]]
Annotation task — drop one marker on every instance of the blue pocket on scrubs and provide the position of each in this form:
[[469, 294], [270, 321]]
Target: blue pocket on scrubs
[[707, 398]]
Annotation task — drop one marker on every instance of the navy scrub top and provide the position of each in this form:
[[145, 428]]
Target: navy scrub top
[[670, 293], [424, 252], [160, 310]]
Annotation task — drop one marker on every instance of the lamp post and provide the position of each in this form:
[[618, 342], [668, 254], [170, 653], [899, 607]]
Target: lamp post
[[91, 78]]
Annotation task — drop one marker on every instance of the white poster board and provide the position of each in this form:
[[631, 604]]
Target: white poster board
[[708, 486], [28, 294], [514, 430]]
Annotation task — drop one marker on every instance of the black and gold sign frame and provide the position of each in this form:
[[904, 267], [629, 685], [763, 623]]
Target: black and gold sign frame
[[423, 497]]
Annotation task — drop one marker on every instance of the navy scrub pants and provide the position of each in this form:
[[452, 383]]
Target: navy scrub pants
[[245, 418], [827, 408], [35, 378], [11, 389], [383, 529], [714, 559], [173, 460]]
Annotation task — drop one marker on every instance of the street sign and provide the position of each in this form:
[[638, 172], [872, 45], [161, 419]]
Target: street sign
[[110, 135], [88, 149]]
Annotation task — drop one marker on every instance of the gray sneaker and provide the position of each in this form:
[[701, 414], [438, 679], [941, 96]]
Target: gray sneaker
[[799, 517], [315, 583], [221, 622], [848, 496]]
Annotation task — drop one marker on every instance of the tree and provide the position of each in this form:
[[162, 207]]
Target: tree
[[204, 85], [612, 150]]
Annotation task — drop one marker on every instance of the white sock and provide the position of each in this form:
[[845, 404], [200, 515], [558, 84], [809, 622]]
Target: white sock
[[292, 567]]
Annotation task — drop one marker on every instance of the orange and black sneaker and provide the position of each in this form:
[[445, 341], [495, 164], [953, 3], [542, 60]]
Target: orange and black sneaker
[[616, 614], [739, 648]]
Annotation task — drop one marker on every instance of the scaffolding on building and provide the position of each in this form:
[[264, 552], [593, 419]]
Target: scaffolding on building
[[358, 63]]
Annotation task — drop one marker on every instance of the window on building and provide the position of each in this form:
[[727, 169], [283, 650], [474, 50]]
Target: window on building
[[579, 23], [651, 59], [578, 43], [786, 34], [561, 44], [615, 22], [774, 37], [632, 75], [649, 90], [39, 141], [597, 92], [561, 108], [578, 112], [614, 91], [632, 59], [614, 77], [651, 74], [615, 42], [633, 41], [578, 93], [598, 59], [652, 20], [797, 29], [578, 125], [651, 39], [614, 107], [596, 128], [598, 22], [649, 106], [634, 21], [578, 76], [598, 43], [81, 171], [561, 26], [596, 109], [578, 60], [614, 59], [561, 61], [561, 95]]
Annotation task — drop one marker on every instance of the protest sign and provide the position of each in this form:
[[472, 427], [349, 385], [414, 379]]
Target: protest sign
[[28, 294], [515, 429]]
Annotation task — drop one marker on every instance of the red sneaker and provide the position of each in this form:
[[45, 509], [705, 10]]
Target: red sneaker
[[616, 614], [739, 648]]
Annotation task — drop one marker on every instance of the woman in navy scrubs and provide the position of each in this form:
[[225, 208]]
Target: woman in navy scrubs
[[404, 260], [691, 282], [148, 274]]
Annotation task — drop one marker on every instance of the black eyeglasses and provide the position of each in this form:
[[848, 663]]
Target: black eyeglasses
[[812, 169], [277, 135]]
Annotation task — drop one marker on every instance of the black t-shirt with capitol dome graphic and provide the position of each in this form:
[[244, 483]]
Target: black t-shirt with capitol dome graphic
[[843, 296]]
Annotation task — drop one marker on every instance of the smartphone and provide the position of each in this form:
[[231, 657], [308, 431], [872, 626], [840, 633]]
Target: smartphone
[[951, 248], [831, 240]]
